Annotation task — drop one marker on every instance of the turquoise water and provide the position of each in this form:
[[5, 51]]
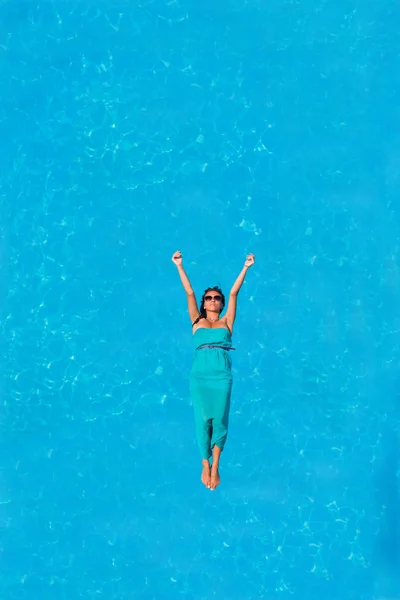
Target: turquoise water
[[128, 131]]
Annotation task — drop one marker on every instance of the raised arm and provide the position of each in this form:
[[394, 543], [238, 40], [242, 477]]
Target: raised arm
[[192, 303], [232, 302]]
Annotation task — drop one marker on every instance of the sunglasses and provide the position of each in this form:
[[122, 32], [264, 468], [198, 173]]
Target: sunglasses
[[208, 298]]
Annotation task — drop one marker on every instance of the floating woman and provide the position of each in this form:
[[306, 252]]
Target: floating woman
[[211, 374]]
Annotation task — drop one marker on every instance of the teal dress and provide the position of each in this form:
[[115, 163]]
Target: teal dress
[[210, 387]]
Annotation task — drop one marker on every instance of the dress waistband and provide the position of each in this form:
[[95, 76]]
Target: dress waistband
[[215, 346]]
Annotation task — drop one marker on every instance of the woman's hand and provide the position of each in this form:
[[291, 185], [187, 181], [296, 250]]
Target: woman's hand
[[177, 258], [249, 260]]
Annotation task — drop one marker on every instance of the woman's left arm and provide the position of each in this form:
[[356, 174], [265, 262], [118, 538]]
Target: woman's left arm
[[231, 310]]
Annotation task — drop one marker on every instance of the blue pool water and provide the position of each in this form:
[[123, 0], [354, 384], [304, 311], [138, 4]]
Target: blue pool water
[[129, 130]]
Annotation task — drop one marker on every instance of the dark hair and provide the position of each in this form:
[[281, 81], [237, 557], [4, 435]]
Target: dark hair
[[203, 312]]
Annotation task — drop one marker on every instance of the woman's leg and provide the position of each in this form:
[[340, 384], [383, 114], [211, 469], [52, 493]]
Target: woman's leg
[[203, 433], [215, 479], [220, 424], [203, 428]]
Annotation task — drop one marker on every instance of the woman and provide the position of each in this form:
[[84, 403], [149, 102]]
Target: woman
[[211, 376]]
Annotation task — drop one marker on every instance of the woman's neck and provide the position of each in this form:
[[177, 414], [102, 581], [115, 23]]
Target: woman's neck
[[211, 316]]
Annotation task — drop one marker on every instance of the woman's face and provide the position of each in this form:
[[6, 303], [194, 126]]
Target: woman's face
[[213, 301]]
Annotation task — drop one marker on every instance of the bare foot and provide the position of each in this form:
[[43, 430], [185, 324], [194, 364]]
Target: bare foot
[[215, 479], [206, 473]]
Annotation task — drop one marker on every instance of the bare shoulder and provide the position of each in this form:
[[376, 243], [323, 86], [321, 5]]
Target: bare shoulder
[[200, 323], [228, 323]]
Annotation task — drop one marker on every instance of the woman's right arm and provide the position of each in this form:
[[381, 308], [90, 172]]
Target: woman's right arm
[[192, 303]]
